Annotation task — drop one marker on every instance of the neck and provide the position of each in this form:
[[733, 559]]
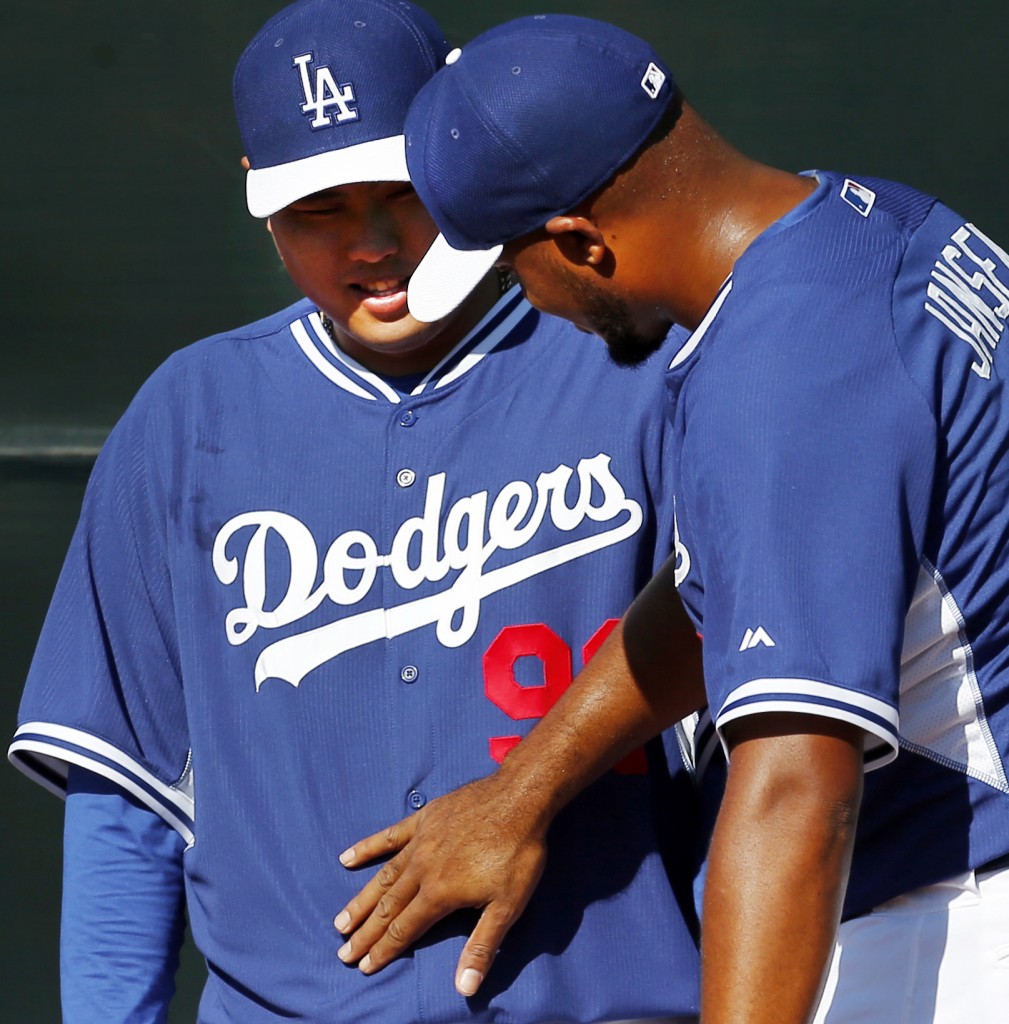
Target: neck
[[708, 202], [755, 197]]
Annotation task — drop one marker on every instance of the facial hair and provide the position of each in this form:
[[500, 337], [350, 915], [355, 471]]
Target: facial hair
[[609, 316]]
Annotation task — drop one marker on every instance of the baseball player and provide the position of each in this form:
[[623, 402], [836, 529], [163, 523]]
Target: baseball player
[[841, 430], [333, 564]]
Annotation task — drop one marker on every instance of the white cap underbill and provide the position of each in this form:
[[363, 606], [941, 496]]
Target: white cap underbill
[[269, 189], [444, 279]]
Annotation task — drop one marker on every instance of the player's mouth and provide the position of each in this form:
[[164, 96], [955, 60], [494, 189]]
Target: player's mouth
[[384, 297]]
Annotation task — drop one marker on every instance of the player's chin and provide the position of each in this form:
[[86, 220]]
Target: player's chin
[[631, 349], [389, 333]]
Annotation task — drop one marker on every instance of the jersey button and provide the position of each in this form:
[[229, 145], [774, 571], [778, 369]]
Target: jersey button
[[408, 418], [406, 477], [409, 673], [416, 800]]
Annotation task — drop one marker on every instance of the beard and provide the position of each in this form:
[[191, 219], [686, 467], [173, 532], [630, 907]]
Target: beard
[[609, 316]]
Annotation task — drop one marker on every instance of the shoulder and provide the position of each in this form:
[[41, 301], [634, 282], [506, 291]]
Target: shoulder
[[202, 381], [219, 357], [220, 351], [845, 243], [815, 295]]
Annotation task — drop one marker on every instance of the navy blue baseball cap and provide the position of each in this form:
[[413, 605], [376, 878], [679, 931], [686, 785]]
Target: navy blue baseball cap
[[524, 123], [322, 92]]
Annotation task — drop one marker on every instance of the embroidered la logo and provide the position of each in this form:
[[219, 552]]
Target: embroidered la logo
[[324, 93]]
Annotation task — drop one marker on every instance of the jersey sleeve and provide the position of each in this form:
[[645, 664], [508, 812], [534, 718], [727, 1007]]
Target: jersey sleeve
[[123, 922], [814, 456], [104, 690]]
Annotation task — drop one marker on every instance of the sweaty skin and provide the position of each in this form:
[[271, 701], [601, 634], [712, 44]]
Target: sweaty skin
[[789, 812]]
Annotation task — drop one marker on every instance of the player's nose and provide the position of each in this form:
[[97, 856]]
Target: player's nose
[[374, 239]]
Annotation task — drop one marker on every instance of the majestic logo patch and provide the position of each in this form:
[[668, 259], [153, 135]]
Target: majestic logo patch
[[858, 197], [653, 81], [755, 638], [324, 93], [459, 540]]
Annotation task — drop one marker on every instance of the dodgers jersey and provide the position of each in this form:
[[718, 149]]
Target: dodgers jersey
[[300, 604], [841, 427]]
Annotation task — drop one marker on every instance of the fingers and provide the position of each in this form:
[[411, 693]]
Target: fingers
[[389, 840], [399, 919], [374, 903], [481, 948], [380, 844], [452, 855]]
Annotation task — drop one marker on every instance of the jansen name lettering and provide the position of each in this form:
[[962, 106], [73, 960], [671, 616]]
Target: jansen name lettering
[[969, 293]]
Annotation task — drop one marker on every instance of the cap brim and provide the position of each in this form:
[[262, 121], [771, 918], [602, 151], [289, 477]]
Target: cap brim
[[269, 189], [444, 279]]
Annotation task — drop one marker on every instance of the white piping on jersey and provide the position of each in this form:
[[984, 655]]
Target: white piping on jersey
[[478, 350], [326, 369], [315, 319], [57, 753], [808, 696], [705, 743], [698, 741], [942, 713], [695, 339]]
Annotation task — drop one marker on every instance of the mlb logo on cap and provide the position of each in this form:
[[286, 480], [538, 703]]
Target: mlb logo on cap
[[321, 95], [653, 80]]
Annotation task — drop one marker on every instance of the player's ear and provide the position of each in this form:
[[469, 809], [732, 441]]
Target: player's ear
[[246, 166], [578, 238]]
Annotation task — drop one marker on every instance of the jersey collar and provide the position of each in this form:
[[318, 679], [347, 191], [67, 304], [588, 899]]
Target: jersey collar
[[334, 364]]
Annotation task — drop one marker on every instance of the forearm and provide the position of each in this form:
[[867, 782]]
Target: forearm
[[122, 924], [777, 871], [645, 677]]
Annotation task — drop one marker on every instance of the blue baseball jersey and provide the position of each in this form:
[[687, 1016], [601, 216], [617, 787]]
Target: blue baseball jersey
[[841, 456], [300, 604]]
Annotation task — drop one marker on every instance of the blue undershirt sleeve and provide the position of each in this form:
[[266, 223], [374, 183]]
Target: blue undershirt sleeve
[[123, 918]]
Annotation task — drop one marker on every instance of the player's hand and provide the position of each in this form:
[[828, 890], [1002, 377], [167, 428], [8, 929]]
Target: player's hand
[[480, 846]]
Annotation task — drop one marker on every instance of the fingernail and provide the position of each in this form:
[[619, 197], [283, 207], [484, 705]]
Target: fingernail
[[365, 964], [469, 981], [347, 857], [344, 952], [342, 922]]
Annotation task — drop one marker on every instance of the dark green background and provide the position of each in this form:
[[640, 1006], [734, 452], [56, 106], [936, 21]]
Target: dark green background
[[127, 237]]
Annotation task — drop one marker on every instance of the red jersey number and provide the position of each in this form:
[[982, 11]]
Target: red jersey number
[[520, 702]]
